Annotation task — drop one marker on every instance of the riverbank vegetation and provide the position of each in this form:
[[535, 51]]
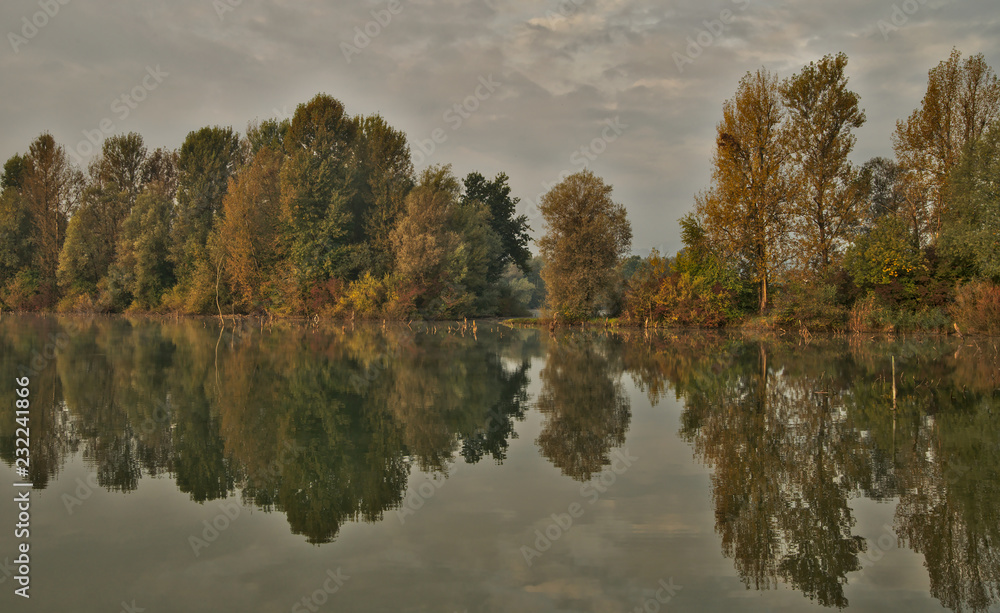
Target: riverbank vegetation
[[324, 215], [791, 233]]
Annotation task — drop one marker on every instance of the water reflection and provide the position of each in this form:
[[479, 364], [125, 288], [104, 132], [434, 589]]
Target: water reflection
[[327, 425], [793, 433]]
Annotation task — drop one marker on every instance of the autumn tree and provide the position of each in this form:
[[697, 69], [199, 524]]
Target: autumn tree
[[207, 158], [822, 112], [746, 212], [249, 230], [50, 188], [444, 247], [587, 234], [962, 101], [117, 177]]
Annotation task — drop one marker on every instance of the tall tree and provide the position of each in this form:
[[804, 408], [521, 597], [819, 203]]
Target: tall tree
[[587, 235], [746, 212], [962, 101], [15, 223], [315, 190], [249, 231], [122, 163], [207, 159], [444, 247], [822, 114], [383, 178], [510, 227], [144, 266], [50, 188], [92, 233], [91, 239], [880, 181], [160, 168], [970, 233]]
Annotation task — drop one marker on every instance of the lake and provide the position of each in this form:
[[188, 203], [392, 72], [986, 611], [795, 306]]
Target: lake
[[178, 465]]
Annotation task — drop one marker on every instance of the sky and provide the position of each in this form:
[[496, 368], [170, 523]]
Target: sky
[[631, 89]]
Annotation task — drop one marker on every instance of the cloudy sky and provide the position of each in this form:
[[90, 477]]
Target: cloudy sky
[[633, 88]]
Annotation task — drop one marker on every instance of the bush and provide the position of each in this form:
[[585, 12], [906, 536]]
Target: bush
[[810, 304], [977, 308], [364, 298], [27, 292]]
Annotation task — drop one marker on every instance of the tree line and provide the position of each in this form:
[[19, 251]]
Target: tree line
[[319, 214], [791, 232], [323, 214]]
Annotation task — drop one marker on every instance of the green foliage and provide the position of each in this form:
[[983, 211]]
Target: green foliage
[[207, 159], [587, 235], [444, 248], [15, 234], [144, 268], [316, 192], [13, 172], [884, 255], [811, 304], [382, 177], [970, 235], [269, 133], [512, 229]]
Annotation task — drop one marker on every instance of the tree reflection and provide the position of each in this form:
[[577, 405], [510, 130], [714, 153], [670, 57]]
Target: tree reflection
[[792, 434], [320, 425], [587, 412]]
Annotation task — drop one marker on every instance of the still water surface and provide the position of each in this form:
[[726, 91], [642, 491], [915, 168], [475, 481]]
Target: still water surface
[[181, 467]]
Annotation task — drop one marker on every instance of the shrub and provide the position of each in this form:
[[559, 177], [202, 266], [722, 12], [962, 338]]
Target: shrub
[[810, 304], [364, 298]]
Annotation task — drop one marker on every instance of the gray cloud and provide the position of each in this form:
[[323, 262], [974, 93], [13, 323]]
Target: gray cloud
[[564, 67]]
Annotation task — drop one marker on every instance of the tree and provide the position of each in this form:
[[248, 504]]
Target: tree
[[249, 230], [884, 255], [315, 191], [269, 133], [91, 236], [511, 228], [144, 267], [970, 233], [13, 172], [746, 212], [962, 101], [383, 176], [587, 234], [207, 159], [880, 181], [160, 168], [50, 189], [822, 114], [122, 164], [444, 247], [15, 223]]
